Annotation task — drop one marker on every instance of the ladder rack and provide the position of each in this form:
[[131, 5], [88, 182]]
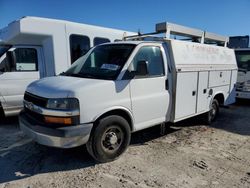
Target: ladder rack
[[195, 35]]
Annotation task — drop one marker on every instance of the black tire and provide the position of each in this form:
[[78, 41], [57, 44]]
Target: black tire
[[212, 114], [2, 116], [109, 139]]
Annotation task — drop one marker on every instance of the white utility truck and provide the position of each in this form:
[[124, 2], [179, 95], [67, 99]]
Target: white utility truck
[[122, 87], [33, 48], [242, 52]]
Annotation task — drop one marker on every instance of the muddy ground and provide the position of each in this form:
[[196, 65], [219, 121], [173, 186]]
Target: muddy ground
[[189, 155]]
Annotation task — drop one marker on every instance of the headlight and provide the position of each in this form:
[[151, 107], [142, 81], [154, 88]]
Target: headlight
[[63, 104]]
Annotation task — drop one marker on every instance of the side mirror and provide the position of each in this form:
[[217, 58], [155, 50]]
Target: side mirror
[[10, 55], [142, 68]]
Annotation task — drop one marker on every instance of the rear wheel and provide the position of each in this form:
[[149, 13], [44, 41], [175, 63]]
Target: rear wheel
[[211, 115], [109, 139]]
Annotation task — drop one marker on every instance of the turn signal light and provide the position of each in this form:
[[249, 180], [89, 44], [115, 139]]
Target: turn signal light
[[58, 120]]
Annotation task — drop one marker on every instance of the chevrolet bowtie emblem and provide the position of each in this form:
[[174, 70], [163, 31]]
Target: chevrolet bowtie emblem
[[29, 105]]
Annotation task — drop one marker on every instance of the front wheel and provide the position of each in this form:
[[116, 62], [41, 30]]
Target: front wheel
[[211, 115], [109, 139]]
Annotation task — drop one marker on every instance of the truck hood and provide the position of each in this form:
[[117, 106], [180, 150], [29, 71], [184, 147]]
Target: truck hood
[[62, 86]]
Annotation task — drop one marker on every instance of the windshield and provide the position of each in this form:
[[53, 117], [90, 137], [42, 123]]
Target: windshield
[[3, 49], [103, 62], [243, 60]]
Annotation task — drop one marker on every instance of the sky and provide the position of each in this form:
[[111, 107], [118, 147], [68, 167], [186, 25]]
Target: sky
[[225, 17]]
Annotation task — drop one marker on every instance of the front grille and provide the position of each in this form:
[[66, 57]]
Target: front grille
[[38, 119], [34, 116], [39, 101], [239, 86], [36, 100]]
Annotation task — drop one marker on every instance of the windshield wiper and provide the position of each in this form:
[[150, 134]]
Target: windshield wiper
[[80, 75], [75, 75], [70, 74], [86, 75]]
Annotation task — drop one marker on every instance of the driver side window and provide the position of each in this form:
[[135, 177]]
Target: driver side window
[[21, 59], [26, 59], [153, 56]]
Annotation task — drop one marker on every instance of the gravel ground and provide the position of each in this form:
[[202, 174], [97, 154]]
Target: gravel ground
[[189, 155]]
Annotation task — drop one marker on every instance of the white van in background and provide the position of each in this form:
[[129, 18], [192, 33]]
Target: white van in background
[[33, 48], [242, 53]]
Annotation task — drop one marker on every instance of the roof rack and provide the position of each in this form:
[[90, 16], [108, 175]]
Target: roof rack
[[195, 35]]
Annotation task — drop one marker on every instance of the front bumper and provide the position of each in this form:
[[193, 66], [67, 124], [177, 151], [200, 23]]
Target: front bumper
[[243, 94], [63, 137]]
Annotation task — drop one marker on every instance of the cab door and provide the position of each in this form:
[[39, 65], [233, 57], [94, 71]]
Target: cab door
[[149, 93], [23, 69]]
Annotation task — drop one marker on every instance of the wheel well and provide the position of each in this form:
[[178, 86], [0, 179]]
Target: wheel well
[[118, 112], [220, 98]]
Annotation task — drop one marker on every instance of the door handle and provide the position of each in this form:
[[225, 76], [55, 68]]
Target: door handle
[[166, 84], [210, 92], [193, 93]]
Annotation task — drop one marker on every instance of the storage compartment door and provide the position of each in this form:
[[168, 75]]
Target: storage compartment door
[[202, 104], [232, 91], [219, 78], [186, 92]]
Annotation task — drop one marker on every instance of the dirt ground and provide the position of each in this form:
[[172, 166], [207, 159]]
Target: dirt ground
[[189, 155]]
